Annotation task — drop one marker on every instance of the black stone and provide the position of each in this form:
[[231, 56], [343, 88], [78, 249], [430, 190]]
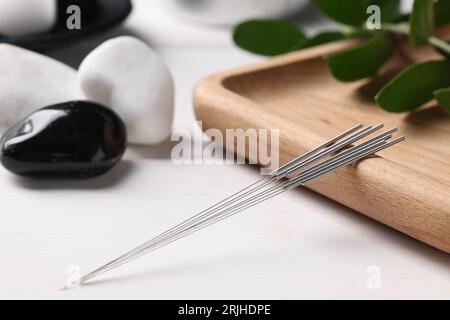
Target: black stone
[[73, 139], [96, 16]]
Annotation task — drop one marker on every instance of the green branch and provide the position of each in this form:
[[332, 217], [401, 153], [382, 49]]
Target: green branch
[[400, 28], [440, 44], [403, 29]]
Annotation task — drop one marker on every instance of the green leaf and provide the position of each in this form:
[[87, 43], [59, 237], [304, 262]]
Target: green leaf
[[268, 37], [351, 12], [323, 38], [362, 61], [421, 22], [354, 12], [442, 12], [414, 86], [443, 98]]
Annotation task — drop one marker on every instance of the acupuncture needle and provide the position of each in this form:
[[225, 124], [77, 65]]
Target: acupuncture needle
[[159, 237], [153, 244], [276, 190], [359, 135], [176, 238], [260, 184], [362, 156], [185, 230], [375, 142], [367, 145], [256, 186], [266, 197]]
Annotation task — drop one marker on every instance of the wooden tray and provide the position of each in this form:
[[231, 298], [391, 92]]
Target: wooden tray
[[406, 187]]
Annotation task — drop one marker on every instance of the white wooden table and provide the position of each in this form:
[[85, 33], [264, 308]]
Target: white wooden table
[[300, 245]]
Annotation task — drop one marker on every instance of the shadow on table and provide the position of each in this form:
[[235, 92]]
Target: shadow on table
[[201, 267], [394, 237], [112, 178], [160, 151], [397, 240]]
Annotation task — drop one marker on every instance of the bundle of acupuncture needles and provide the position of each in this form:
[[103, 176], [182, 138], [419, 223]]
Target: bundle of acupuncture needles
[[331, 155]]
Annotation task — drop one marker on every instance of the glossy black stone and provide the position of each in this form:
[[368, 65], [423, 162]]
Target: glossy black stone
[[73, 139], [97, 16]]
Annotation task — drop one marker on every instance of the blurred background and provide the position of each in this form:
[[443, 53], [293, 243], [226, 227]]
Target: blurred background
[[194, 37]]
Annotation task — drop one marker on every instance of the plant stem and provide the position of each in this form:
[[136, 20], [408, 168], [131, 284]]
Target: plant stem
[[440, 44], [403, 28]]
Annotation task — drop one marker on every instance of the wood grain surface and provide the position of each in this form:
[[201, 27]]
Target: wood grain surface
[[406, 187]]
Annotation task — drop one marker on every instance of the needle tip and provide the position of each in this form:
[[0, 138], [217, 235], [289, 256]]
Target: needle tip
[[73, 285]]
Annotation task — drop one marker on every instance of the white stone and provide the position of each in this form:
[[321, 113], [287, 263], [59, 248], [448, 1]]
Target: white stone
[[126, 75], [30, 81], [19, 17]]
